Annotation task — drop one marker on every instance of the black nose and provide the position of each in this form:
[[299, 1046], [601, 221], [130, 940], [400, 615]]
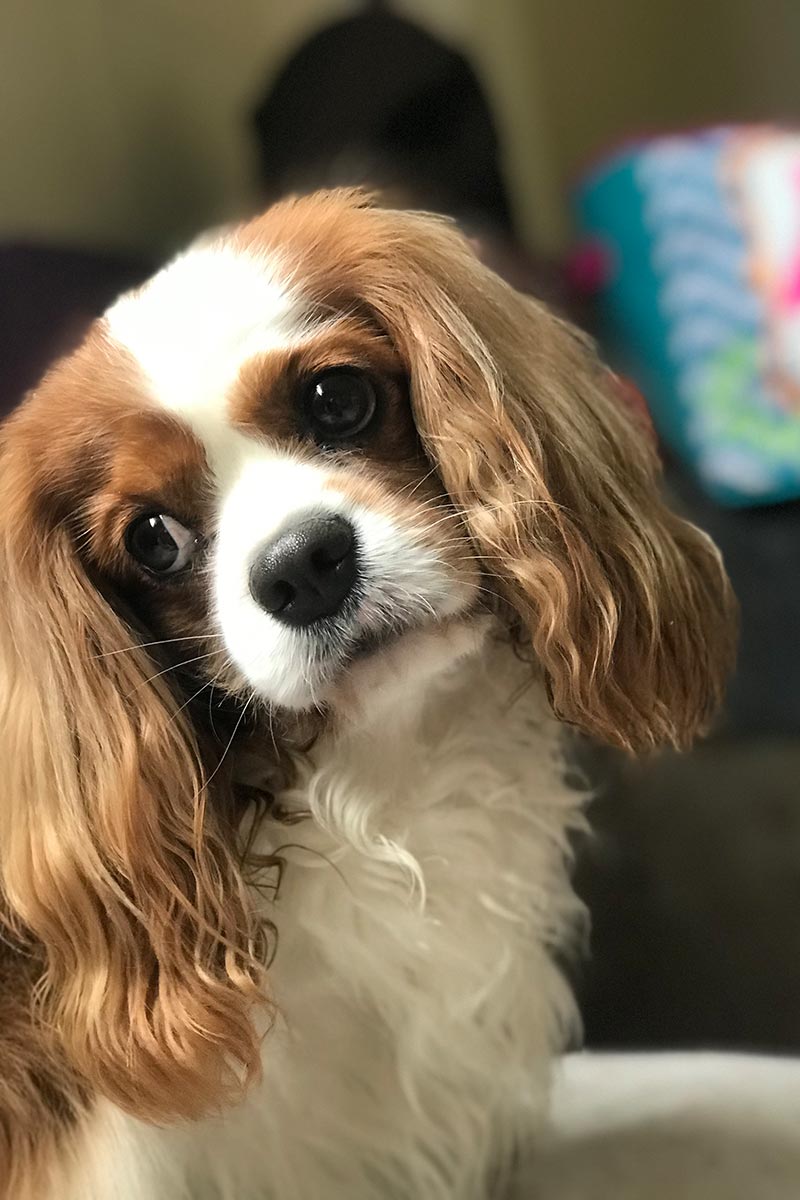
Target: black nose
[[307, 572]]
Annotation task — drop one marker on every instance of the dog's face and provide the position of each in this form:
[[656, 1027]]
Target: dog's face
[[327, 441], [266, 499]]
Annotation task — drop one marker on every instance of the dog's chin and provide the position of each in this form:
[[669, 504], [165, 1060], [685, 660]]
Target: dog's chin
[[380, 673]]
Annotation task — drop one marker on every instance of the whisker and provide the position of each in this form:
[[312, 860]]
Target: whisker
[[486, 591], [225, 664], [450, 516], [192, 637], [174, 667], [230, 742], [271, 728], [210, 683], [509, 506], [490, 558], [417, 600], [417, 485], [521, 502]]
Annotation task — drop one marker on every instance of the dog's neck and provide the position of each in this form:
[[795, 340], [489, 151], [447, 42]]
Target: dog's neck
[[460, 721]]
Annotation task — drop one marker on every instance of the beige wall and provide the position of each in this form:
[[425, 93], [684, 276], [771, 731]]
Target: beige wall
[[612, 68], [124, 122]]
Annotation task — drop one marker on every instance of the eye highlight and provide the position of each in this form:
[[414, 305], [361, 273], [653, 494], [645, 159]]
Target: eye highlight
[[338, 405], [160, 543]]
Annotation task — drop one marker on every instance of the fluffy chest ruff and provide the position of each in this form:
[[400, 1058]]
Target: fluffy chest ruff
[[419, 1005]]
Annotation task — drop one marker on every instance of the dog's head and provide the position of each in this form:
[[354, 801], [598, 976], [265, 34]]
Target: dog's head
[[325, 439]]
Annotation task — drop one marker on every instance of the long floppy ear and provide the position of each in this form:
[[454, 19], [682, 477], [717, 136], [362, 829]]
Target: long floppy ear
[[111, 856], [626, 606]]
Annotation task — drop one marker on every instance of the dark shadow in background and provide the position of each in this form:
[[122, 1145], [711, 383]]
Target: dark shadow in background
[[377, 100]]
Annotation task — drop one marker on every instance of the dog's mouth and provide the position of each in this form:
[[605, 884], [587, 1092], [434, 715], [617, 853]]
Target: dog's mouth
[[379, 642], [372, 621], [372, 642], [336, 652]]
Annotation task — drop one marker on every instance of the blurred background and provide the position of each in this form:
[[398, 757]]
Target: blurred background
[[633, 162]]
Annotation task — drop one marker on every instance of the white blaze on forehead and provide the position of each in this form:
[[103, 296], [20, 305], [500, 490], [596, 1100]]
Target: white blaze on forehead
[[195, 323]]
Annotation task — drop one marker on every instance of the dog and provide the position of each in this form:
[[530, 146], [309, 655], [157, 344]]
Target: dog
[[314, 551]]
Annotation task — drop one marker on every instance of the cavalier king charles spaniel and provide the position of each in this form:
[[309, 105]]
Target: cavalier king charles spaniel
[[311, 552]]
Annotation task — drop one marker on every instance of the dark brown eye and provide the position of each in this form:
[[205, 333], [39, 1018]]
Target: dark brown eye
[[339, 405], [160, 543]]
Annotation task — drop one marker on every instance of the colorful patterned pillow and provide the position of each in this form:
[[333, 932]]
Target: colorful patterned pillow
[[698, 237]]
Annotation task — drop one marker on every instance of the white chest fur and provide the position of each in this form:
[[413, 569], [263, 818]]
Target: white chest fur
[[419, 1005]]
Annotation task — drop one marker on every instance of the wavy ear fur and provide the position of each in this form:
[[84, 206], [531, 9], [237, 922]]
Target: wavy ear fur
[[112, 858], [627, 607]]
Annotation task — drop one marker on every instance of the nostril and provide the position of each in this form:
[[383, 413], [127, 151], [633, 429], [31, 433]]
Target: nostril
[[308, 571], [334, 551], [277, 596], [322, 560]]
